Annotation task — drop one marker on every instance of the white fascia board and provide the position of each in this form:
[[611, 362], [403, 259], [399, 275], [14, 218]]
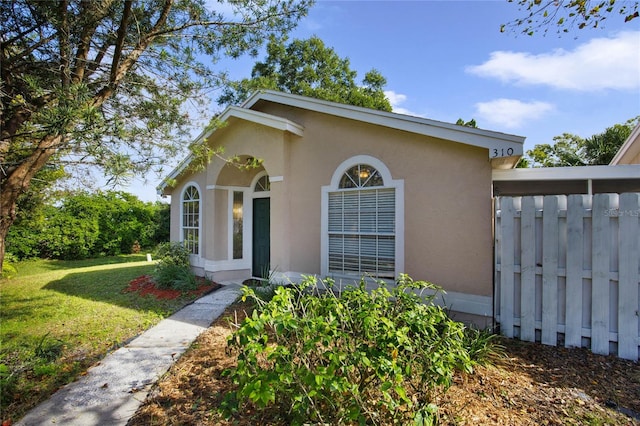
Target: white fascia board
[[631, 146], [261, 118], [505, 145], [267, 120], [568, 173]]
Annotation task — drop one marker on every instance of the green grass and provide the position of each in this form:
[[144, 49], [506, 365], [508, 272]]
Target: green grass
[[57, 318]]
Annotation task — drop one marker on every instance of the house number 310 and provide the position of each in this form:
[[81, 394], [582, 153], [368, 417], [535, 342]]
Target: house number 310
[[501, 152]]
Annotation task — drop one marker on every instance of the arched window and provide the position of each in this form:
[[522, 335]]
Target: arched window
[[263, 184], [361, 222], [191, 219], [361, 176]]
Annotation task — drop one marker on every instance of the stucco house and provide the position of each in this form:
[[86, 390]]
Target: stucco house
[[344, 191]]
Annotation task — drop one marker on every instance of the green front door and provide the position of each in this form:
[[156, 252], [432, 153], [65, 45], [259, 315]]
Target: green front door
[[261, 237]]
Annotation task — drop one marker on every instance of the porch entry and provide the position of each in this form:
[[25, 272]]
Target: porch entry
[[261, 237]]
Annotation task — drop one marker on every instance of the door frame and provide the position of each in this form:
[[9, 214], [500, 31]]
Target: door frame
[[254, 195]]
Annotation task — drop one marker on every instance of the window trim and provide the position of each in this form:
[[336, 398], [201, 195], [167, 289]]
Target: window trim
[[334, 186], [254, 182], [199, 229]]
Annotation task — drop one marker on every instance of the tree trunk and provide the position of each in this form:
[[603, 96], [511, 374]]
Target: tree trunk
[[18, 181], [7, 216]]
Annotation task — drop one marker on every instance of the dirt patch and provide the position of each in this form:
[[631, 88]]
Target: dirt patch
[[145, 285], [531, 384]]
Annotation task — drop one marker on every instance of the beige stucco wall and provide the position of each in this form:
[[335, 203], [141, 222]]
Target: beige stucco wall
[[447, 194], [447, 197]]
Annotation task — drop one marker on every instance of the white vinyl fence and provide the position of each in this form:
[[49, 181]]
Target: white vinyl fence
[[567, 270]]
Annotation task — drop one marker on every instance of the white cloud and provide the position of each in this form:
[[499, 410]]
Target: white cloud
[[601, 63], [511, 113], [396, 99]]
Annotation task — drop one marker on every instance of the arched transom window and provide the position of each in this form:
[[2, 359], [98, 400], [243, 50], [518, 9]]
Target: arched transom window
[[263, 184], [191, 219], [361, 176], [361, 225]]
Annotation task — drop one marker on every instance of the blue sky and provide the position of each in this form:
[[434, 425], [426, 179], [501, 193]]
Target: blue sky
[[446, 60]]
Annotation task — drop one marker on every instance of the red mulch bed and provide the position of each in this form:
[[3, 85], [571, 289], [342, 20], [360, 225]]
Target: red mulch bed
[[145, 285]]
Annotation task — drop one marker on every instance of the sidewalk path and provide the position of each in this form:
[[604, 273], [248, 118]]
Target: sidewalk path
[[111, 391]]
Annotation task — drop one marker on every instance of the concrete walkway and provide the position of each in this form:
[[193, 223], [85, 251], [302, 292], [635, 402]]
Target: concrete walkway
[[111, 391]]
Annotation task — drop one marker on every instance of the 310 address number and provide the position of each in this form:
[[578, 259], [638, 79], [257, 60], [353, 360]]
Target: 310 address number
[[495, 152]]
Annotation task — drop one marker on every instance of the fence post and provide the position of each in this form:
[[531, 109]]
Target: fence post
[[528, 270], [506, 266], [550, 270], [575, 230], [600, 273], [629, 259]]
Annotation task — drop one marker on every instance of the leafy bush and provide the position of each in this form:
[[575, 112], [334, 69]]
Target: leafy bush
[[173, 270], [82, 225], [174, 253], [8, 269], [360, 357], [175, 277]]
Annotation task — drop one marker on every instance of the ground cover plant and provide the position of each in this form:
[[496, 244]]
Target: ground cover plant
[[60, 317], [354, 357], [528, 384]]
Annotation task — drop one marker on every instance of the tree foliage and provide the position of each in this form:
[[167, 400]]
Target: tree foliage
[[349, 355], [470, 123], [572, 150], [309, 68], [565, 15], [85, 225], [114, 83]]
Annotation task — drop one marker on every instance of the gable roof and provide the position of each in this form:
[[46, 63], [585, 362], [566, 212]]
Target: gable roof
[[629, 150], [504, 149], [234, 112], [422, 126]]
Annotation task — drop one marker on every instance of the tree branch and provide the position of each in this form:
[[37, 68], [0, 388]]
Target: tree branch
[[98, 12], [63, 45], [93, 65], [122, 32], [20, 35], [119, 71]]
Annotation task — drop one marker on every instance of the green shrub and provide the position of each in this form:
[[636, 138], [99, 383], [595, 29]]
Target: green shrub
[[173, 253], [175, 277], [173, 270], [81, 225], [358, 357], [8, 268]]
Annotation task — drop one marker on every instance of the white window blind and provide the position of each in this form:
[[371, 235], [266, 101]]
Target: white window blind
[[361, 229]]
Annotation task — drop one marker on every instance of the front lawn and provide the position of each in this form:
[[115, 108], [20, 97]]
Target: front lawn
[[59, 317]]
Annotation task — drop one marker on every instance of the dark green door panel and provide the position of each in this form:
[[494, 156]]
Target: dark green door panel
[[261, 237]]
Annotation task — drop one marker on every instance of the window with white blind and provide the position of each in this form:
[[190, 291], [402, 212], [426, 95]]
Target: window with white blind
[[191, 219], [361, 225]]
